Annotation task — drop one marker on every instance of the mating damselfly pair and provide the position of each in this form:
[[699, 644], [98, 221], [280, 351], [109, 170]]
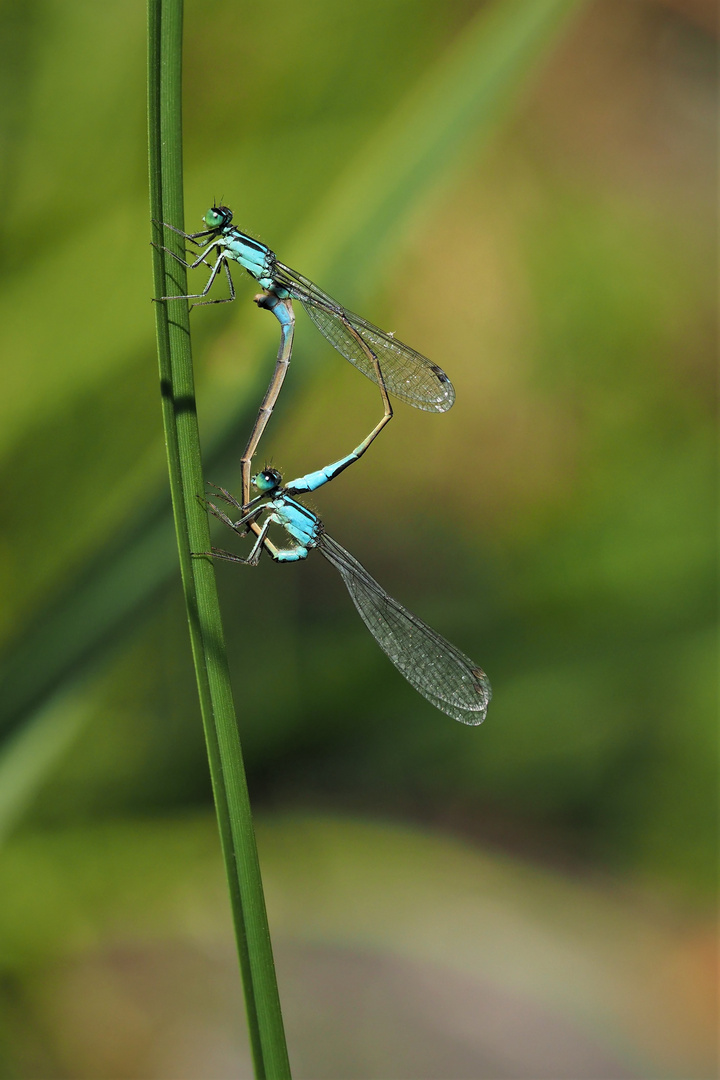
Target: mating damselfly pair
[[439, 671]]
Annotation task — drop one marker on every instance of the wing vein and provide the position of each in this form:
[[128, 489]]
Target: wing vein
[[408, 374], [448, 678]]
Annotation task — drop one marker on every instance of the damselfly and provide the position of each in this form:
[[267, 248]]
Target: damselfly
[[440, 672], [406, 373]]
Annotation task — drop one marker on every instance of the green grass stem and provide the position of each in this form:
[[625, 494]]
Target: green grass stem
[[191, 525]]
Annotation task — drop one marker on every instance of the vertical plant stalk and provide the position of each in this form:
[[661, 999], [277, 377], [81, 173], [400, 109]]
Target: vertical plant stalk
[[227, 771]]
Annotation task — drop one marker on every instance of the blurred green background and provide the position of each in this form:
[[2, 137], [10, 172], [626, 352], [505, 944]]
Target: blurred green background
[[529, 899]]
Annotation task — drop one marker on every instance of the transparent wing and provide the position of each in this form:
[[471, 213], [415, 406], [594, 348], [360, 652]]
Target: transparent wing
[[407, 374], [439, 671]]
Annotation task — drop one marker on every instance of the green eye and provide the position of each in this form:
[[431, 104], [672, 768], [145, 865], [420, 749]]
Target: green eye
[[212, 219], [267, 480]]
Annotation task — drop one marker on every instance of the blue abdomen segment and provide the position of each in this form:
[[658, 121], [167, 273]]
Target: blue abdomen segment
[[312, 481], [291, 554], [257, 259]]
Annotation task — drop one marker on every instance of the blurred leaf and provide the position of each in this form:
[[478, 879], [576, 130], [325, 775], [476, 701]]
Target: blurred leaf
[[34, 750]]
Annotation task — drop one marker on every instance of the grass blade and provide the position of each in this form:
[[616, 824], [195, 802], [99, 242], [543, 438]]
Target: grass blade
[[191, 525]]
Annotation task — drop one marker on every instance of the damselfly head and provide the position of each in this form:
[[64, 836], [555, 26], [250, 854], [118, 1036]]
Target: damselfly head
[[267, 480], [218, 217]]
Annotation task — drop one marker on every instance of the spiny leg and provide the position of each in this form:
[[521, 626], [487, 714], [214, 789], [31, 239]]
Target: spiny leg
[[221, 553], [193, 237], [206, 248], [278, 554], [213, 274], [223, 300], [248, 520], [179, 258], [220, 514], [223, 494], [254, 556], [294, 554]]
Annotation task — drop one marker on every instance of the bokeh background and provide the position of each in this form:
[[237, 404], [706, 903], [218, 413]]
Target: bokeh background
[[529, 899]]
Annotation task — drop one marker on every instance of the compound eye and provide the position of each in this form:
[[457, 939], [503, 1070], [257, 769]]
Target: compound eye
[[218, 217], [267, 480]]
